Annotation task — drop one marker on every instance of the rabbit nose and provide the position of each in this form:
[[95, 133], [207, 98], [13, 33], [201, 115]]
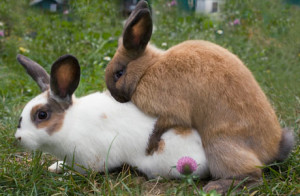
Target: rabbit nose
[[19, 138]]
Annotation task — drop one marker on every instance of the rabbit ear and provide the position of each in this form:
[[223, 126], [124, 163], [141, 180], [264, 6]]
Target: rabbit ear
[[138, 28], [37, 72], [65, 76]]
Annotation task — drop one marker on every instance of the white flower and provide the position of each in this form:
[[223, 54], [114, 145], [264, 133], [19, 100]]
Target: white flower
[[164, 44], [107, 58], [220, 32]]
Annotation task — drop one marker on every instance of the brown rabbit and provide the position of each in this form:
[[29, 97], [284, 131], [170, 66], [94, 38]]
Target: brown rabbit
[[201, 85]]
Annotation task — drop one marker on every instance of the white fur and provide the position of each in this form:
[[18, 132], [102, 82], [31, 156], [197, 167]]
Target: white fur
[[95, 123]]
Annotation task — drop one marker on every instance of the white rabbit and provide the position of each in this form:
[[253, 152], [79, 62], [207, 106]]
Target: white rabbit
[[96, 131]]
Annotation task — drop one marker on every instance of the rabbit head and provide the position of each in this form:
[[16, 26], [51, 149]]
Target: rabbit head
[[136, 35], [44, 115]]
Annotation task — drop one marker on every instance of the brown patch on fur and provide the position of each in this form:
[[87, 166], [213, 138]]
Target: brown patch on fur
[[183, 131], [54, 124], [55, 115], [34, 111], [104, 116], [161, 146]]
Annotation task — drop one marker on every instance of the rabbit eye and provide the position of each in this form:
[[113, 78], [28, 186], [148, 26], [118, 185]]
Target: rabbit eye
[[42, 115], [118, 74]]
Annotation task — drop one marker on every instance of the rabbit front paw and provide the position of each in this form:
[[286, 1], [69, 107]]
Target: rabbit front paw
[[153, 146], [56, 167]]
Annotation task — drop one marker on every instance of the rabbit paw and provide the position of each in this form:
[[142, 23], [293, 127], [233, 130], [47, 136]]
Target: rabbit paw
[[56, 167], [215, 185], [153, 146]]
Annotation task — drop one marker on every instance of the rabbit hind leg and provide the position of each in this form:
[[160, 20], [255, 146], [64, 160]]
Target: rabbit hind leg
[[231, 164]]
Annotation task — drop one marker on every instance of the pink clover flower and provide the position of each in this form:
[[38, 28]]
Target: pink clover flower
[[186, 165]]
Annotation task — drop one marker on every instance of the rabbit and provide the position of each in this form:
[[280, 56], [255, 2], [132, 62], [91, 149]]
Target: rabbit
[[95, 127], [198, 84]]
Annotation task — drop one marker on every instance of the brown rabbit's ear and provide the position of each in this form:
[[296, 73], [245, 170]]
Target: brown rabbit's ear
[[65, 76], [138, 28], [37, 72]]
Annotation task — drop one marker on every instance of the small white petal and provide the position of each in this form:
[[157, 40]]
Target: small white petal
[[220, 32], [107, 58]]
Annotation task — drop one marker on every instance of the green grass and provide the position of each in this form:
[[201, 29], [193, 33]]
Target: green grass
[[267, 41]]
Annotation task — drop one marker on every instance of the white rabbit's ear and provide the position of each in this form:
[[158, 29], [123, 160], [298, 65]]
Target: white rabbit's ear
[[65, 76], [138, 28], [37, 72]]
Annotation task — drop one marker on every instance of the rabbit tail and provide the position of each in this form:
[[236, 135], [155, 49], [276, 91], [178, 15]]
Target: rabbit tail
[[286, 144]]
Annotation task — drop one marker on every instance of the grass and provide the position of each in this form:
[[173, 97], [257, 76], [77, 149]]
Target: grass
[[267, 40]]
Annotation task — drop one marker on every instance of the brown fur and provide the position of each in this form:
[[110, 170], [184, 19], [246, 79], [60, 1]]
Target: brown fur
[[161, 146], [183, 131], [198, 84], [64, 73], [55, 112], [222, 185]]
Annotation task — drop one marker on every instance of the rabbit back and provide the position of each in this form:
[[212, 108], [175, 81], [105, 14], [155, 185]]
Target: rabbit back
[[200, 84]]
